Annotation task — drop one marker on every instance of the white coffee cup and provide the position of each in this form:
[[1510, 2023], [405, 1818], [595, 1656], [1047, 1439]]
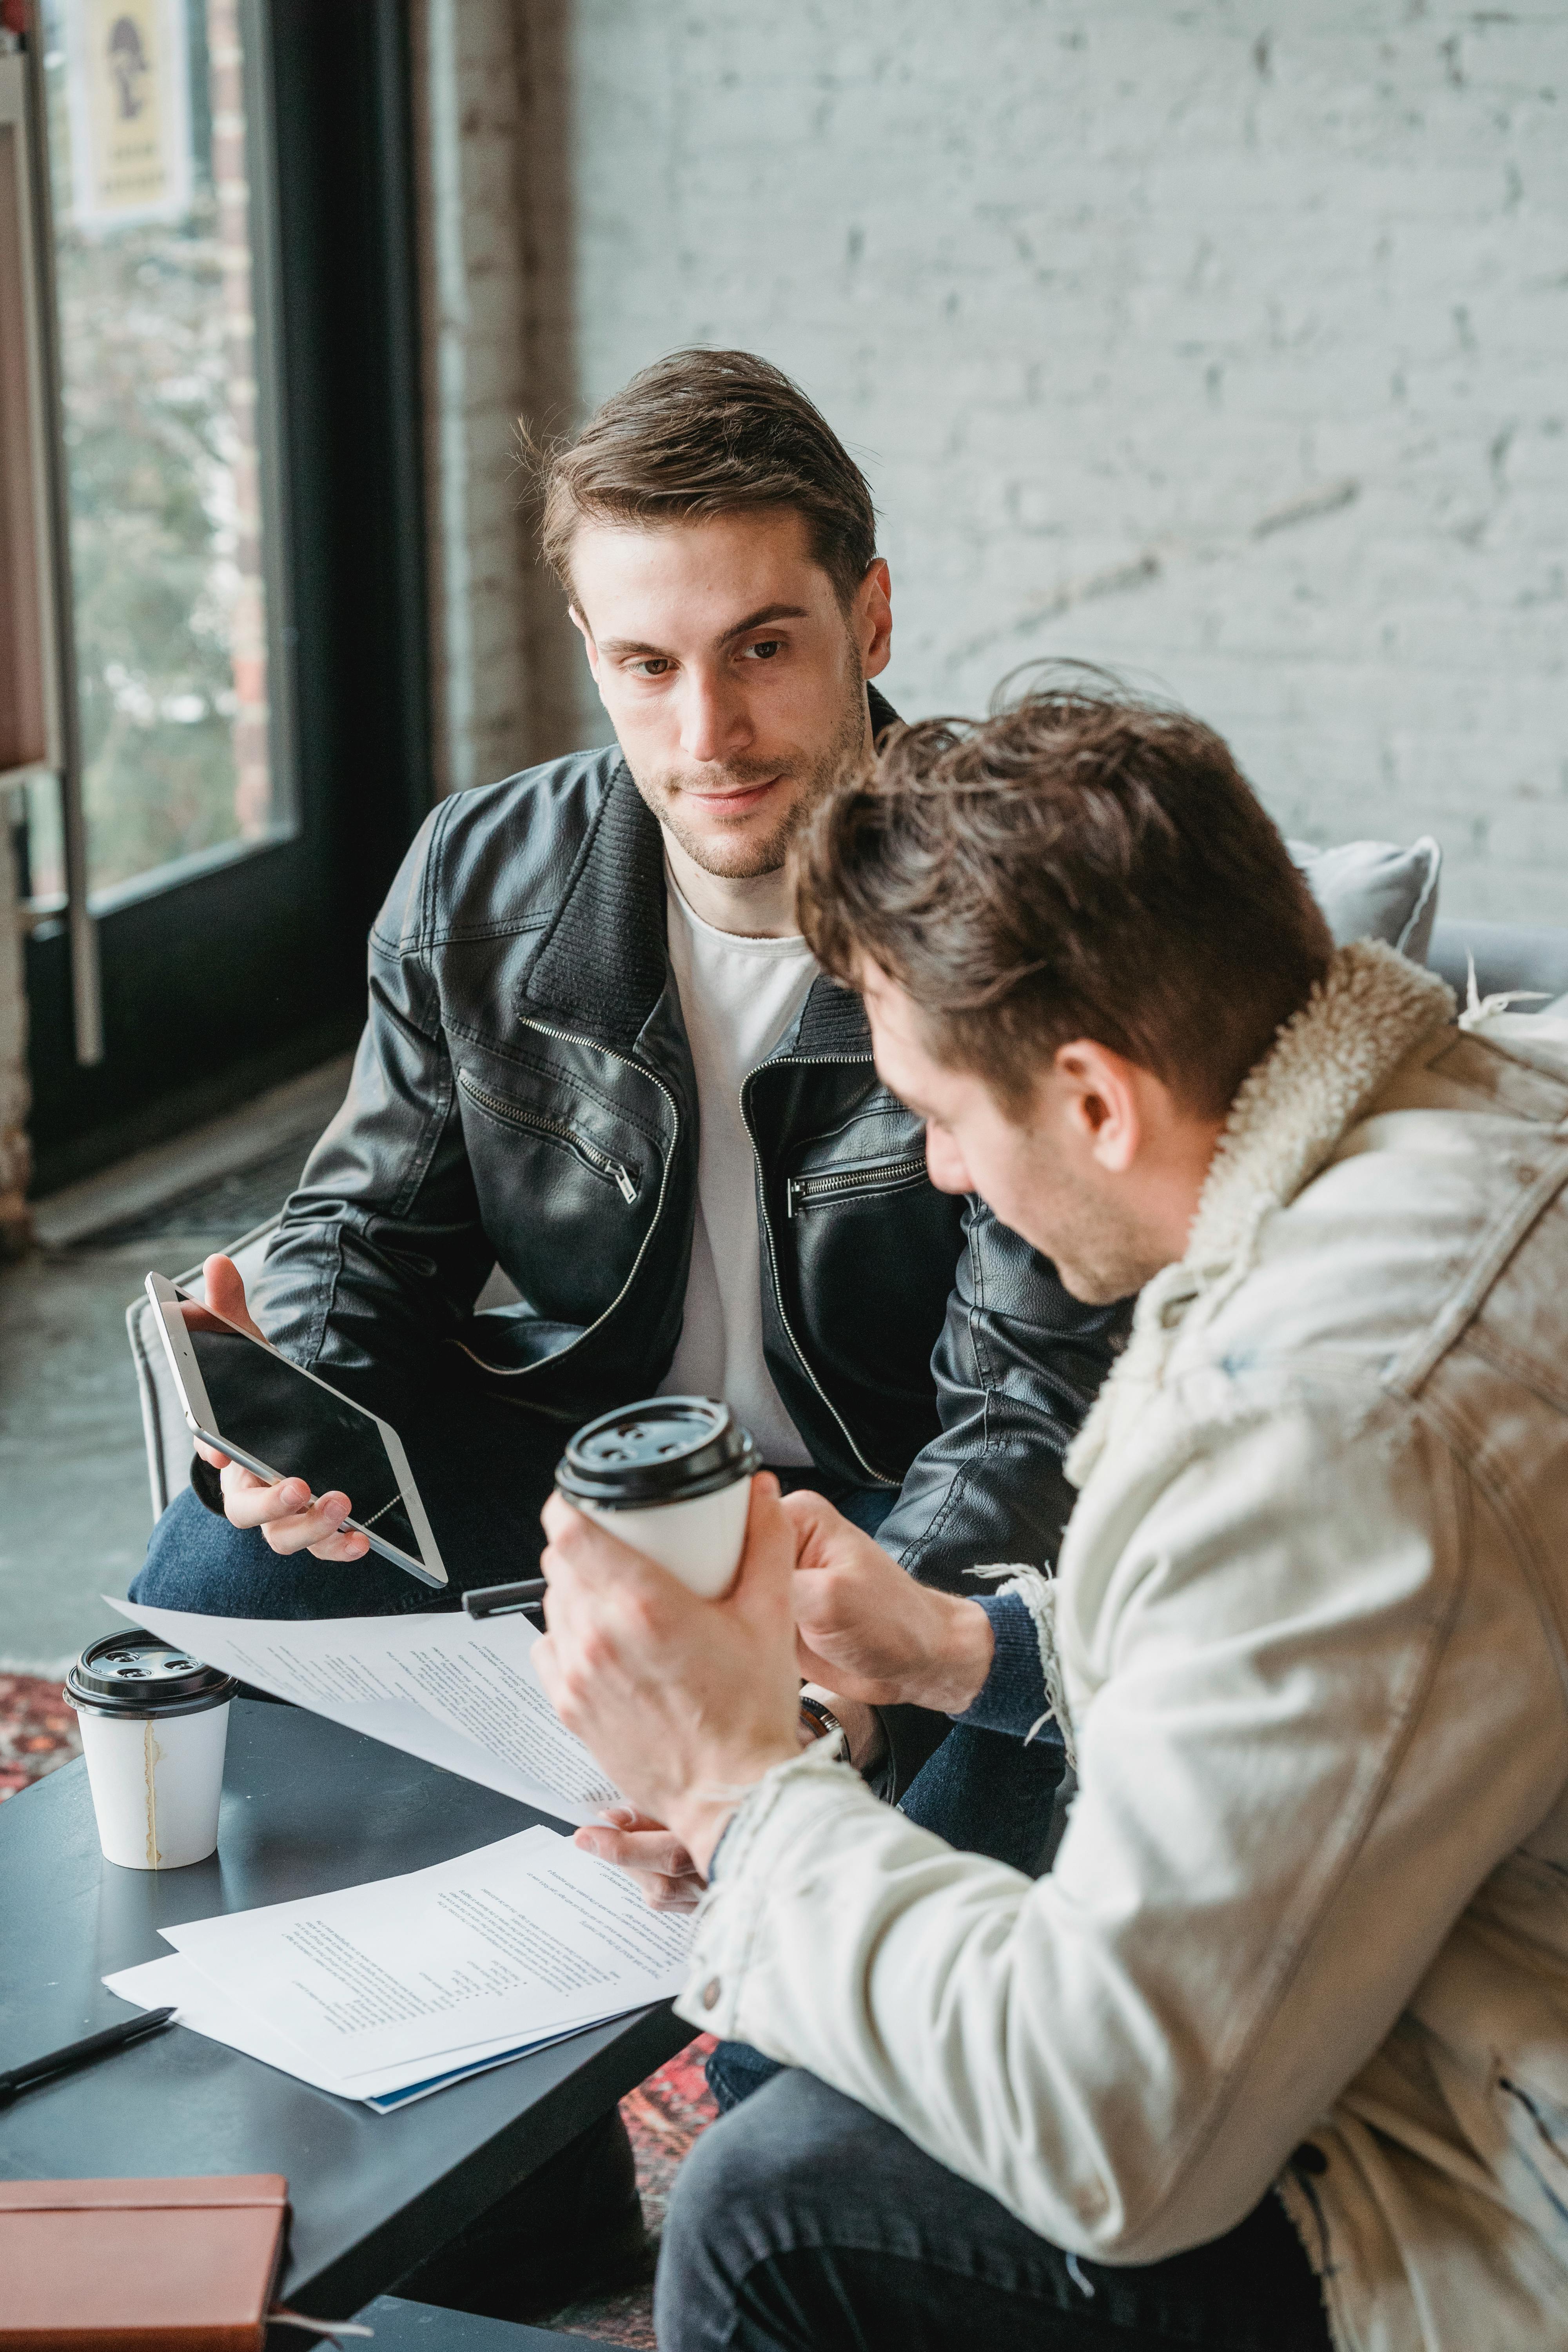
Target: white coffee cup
[[154, 1726], [672, 1477]]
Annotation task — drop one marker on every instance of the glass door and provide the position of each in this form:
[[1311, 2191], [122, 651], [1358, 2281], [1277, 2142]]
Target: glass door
[[159, 215], [218, 171]]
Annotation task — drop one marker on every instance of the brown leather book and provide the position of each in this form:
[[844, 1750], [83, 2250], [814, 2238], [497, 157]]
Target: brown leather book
[[139, 2265]]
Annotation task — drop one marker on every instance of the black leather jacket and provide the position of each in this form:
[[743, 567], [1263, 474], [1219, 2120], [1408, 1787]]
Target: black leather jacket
[[524, 1092]]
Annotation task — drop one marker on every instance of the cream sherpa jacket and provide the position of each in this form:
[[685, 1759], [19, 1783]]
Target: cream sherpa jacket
[[1308, 1637]]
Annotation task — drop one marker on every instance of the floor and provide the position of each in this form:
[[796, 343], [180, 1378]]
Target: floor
[[37, 1730], [664, 2116], [73, 1472], [74, 1507]]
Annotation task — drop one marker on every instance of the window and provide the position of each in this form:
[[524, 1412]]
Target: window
[[161, 383], [227, 280]]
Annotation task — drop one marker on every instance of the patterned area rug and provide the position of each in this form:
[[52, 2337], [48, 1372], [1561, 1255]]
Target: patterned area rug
[[664, 2116], [37, 1730]]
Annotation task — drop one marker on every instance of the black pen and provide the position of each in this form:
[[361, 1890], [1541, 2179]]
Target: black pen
[[81, 2053], [507, 1600]]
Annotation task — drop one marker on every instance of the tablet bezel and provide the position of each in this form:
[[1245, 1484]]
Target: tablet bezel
[[166, 1299]]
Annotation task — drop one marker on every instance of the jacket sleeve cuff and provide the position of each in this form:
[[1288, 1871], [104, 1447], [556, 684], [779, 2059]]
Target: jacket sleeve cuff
[[1018, 1681], [207, 1485], [1013, 1697], [782, 1804]]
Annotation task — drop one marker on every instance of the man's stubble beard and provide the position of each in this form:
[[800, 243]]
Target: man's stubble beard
[[748, 862], [1101, 1254]]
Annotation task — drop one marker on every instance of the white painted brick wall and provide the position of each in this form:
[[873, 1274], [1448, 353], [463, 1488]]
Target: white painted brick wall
[[1224, 341]]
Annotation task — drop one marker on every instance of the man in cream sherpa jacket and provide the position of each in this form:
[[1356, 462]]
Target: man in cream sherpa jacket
[[1308, 1927]]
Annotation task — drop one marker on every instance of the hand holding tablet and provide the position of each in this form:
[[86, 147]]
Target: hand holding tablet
[[247, 1402]]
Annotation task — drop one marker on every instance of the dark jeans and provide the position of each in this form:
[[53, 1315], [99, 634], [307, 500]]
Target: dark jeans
[[800, 2221], [484, 1470]]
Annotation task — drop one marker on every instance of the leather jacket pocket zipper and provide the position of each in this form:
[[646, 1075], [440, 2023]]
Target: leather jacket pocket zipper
[[842, 1183], [614, 1171]]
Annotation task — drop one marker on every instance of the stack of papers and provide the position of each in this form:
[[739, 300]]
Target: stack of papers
[[389, 1991], [456, 1690]]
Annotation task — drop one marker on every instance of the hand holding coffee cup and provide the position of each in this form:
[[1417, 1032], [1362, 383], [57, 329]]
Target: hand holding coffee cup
[[671, 1477], [678, 1671]]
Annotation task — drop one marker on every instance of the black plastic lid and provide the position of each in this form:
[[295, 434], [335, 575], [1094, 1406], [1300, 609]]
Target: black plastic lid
[[668, 1449], [137, 1672]]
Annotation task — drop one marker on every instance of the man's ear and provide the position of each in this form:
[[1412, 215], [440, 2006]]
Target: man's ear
[[586, 633], [874, 624], [1103, 1102]]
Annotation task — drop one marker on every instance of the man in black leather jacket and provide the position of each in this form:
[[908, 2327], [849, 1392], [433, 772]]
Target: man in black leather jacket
[[525, 1094]]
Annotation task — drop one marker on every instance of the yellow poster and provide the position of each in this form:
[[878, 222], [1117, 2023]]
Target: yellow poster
[[128, 67]]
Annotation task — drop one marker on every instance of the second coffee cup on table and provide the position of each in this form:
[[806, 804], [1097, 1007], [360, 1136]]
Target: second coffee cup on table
[[154, 1725], [672, 1477]]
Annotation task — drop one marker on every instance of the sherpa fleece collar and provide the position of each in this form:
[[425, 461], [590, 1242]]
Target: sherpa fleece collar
[[1324, 1067]]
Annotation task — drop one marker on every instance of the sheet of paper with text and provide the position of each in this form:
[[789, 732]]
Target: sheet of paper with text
[[175, 1982], [521, 1940], [388, 1991], [456, 1691]]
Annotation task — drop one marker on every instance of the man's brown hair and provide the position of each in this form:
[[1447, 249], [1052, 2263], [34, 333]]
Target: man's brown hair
[[704, 433], [1085, 863]]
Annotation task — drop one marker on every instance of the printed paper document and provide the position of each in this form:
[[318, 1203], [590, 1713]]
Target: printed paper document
[[456, 1690], [375, 1988], [175, 1982], [518, 1939]]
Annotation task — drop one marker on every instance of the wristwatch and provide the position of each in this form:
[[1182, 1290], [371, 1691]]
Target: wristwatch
[[817, 1718]]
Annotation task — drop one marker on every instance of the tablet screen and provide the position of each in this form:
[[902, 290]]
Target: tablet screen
[[268, 1408]]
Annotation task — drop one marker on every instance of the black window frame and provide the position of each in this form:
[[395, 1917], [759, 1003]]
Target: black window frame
[[250, 967]]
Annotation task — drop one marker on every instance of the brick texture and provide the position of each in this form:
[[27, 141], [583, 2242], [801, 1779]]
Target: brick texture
[[472, 214], [1225, 344]]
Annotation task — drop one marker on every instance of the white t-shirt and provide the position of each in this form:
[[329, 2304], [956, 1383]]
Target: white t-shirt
[[740, 997]]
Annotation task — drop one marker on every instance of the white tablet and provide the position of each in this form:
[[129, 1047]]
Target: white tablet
[[240, 1395]]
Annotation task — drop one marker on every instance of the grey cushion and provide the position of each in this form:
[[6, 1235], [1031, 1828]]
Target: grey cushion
[[1375, 890], [1508, 956]]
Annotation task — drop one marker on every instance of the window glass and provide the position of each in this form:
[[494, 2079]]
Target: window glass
[[157, 276]]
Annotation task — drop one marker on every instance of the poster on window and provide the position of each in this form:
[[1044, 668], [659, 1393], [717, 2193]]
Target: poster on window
[[128, 73]]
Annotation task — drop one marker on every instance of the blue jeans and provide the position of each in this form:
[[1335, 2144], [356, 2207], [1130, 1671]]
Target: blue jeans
[[802, 2223], [484, 1469]]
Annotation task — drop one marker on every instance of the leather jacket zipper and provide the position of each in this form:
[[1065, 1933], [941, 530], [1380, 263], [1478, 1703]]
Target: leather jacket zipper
[[887, 1176], [514, 1115], [804, 1061], [594, 1045]]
